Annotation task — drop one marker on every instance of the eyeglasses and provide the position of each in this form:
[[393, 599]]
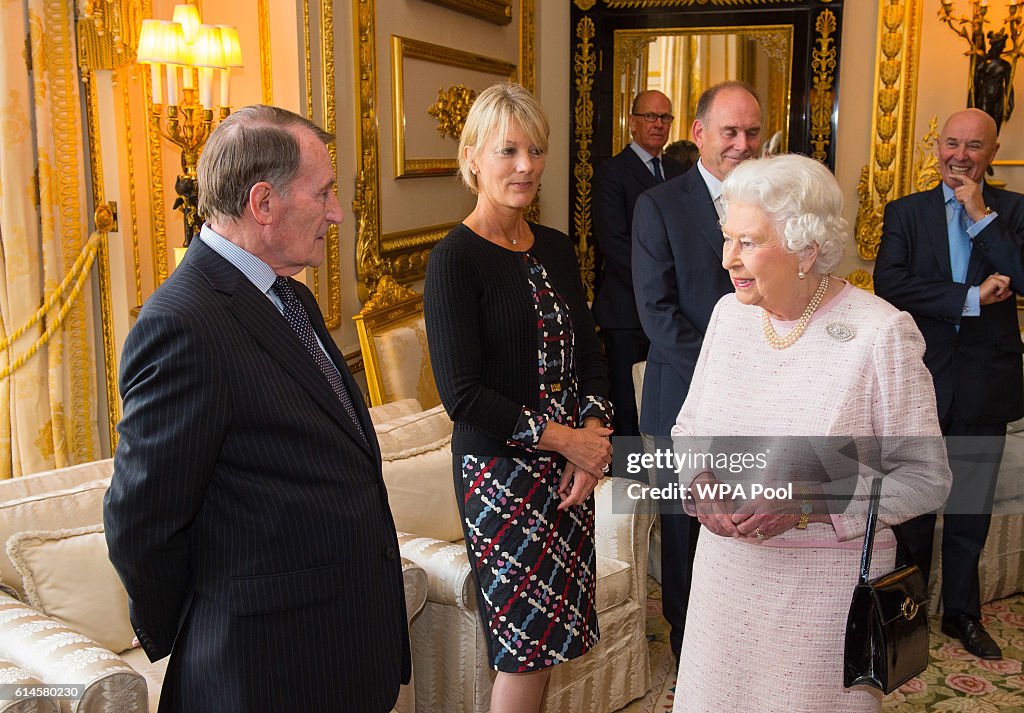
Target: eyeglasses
[[650, 117]]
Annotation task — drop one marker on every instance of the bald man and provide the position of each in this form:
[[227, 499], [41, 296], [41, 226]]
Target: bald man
[[953, 257]]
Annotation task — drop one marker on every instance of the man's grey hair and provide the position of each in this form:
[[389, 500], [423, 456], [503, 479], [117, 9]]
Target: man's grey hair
[[255, 143]]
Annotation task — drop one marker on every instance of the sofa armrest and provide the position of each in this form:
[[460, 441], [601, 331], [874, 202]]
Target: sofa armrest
[[446, 565], [622, 528], [12, 677], [415, 581], [58, 655]]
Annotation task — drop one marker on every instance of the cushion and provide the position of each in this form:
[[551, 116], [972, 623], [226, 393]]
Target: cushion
[[67, 575], [405, 362], [404, 436], [422, 493], [393, 409], [71, 507]]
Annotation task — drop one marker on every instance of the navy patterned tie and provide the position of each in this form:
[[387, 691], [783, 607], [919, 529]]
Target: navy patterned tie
[[296, 315], [656, 163]]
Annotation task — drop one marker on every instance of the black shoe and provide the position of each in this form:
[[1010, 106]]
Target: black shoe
[[972, 635]]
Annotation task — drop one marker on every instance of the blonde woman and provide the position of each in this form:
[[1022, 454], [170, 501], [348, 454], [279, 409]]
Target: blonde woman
[[518, 368]]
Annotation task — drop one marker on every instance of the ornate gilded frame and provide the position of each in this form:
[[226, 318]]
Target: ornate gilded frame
[[890, 172], [631, 45], [403, 48], [497, 11], [813, 104], [402, 254], [106, 40]]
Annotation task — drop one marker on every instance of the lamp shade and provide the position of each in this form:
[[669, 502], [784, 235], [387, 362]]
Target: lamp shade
[[208, 48], [187, 15], [231, 44], [158, 42]]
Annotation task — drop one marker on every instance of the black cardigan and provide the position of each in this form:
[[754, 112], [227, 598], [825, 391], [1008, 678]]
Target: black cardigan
[[482, 333]]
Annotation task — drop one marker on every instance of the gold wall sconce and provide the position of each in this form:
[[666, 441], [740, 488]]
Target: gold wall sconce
[[992, 65], [202, 54]]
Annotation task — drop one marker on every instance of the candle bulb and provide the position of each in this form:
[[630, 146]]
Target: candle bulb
[[154, 79], [206, 87], [172, 84], [225, 88]]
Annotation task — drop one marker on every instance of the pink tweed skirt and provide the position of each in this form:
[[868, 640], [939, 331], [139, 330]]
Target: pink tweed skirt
[[765, 629]]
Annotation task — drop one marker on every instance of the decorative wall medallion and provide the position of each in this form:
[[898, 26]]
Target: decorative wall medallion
[[451, 109]]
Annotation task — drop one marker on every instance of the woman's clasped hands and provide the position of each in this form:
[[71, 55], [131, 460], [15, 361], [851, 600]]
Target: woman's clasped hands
[[588, 452], [759, 518]]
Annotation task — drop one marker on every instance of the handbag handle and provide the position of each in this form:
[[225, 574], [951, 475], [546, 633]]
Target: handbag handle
[[869, 530]]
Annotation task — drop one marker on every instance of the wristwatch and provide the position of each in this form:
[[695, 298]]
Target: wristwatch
[[806, 508]]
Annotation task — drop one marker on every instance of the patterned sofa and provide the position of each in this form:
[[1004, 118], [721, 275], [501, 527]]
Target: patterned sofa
[[449, 650], [63, 611]]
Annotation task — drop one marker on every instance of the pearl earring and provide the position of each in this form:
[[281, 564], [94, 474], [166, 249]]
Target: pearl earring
[[801, 274]]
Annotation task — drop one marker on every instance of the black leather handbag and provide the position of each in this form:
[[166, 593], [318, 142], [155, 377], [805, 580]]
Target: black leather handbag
[[887, 628]]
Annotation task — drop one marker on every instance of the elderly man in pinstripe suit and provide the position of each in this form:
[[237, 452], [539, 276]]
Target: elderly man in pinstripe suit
[[247, 515]]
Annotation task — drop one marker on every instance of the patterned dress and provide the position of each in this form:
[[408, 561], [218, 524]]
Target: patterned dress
[[535, 565]]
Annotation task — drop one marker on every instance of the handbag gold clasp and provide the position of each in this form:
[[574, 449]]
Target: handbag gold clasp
[[909, 608]]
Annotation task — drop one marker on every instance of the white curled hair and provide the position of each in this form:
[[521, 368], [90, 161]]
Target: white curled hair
[[802, 200]]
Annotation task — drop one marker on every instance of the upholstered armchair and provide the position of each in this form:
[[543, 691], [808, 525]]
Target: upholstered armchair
[[449, 650], [393, 340]]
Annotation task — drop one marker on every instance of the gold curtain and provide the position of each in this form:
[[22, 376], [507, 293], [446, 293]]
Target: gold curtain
[[48, 400], [675, 74]]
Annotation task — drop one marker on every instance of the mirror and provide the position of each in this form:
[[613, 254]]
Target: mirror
[[683, 63], [787, 49]]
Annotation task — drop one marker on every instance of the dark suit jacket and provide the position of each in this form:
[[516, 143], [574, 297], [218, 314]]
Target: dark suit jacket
[[977, 372], [247, 519], [677, 278], [619, 182]]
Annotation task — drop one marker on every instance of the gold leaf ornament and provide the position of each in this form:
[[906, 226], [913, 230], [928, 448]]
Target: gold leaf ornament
[[451, 109]]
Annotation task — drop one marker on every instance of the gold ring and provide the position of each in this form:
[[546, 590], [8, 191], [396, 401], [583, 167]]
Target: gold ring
[[760, 535]]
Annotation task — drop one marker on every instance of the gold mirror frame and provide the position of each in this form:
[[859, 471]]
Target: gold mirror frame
[[631, 47], [818, 96], [402, 254], [890, 171]]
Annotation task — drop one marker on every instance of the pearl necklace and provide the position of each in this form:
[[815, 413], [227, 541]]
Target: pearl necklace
[[777, 342]]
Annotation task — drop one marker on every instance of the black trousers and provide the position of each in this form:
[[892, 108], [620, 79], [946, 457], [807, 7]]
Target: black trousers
[[624, 348], [975, 452], [678, 548]]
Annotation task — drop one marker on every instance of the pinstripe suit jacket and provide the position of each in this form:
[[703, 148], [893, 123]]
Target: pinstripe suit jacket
[[247, 519]]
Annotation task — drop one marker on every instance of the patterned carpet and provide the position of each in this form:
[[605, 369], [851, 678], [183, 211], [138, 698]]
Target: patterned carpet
[[955, 681]]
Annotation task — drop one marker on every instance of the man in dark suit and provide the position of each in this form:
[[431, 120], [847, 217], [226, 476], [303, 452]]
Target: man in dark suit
[[247, 515], [678, 278], [620, 181], [952, 257]]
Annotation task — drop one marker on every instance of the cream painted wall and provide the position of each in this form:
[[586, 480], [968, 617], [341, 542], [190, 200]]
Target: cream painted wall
[[856, 99], [553, 81]]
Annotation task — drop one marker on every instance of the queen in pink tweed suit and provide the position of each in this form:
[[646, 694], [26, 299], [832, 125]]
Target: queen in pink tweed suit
[[796, 352]]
